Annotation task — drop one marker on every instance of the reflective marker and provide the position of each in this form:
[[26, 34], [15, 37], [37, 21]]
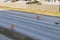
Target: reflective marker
[[12, 26], [37, 17]]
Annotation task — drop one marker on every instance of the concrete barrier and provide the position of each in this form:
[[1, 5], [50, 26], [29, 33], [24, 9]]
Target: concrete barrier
[[52, 10]]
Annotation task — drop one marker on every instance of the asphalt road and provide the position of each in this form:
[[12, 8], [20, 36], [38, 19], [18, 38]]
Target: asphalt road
[[26, 23]]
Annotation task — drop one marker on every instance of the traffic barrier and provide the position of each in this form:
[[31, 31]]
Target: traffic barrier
[[51, 10], [43, 29]]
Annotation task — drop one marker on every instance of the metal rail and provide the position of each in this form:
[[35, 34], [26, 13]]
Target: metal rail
[[42, 29]]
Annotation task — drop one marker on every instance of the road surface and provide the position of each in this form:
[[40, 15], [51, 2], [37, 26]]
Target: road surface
[[26, 23]]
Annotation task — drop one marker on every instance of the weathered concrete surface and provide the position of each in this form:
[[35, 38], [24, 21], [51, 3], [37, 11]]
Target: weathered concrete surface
[[45, 9]]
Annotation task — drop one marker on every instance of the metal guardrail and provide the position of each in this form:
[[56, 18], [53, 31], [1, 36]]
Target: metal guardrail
[[42, 29]]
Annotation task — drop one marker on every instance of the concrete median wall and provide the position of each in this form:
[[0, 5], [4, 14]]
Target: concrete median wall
[[44, 7]]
